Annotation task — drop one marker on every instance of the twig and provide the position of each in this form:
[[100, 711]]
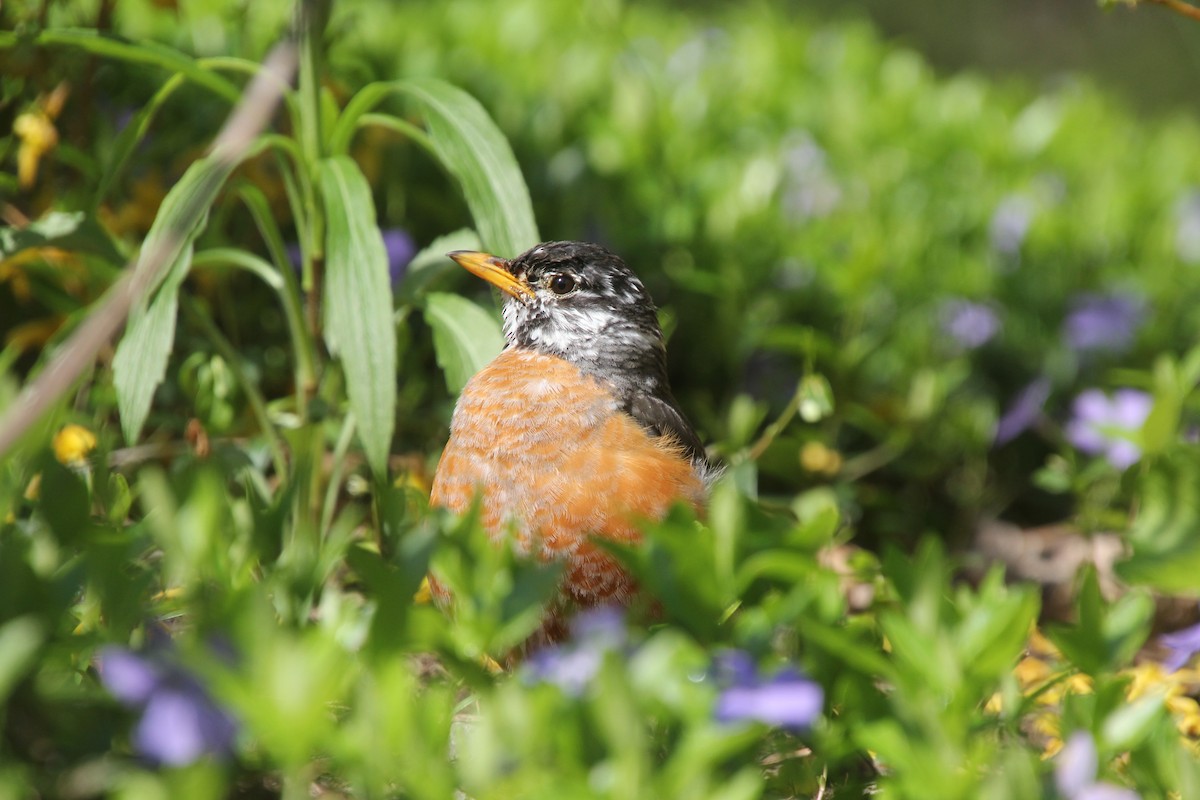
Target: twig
[[1180, 7], [251, 115]]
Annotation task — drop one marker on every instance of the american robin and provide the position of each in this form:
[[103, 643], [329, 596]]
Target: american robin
[[571, 432]]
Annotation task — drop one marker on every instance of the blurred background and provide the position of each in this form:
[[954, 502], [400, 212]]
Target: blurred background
[[1148, 55]]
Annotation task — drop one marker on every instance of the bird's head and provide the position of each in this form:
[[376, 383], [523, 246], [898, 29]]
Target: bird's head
[[577, 301]]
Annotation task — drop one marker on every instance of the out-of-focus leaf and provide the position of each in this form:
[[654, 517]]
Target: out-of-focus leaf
[[471, 148], [69, 230], [143, 52], [358, 305], [1166, 552], [465, 337], [1106, 636], [20, 639]]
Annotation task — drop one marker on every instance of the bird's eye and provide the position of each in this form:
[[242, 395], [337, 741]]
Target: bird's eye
[[562, 284]]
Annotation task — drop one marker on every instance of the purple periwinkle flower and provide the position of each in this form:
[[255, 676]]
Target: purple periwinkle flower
[[180, 722], [397, 243], [1102, 425], [1075, 772], [786, 699], [1182, 645], [1025, 409], [1010, 224], [400, 249], [969, 324], [1104, 322], [571, 666]]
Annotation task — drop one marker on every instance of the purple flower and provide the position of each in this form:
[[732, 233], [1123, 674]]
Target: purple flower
[[180, 722], [1025, 409], [571, 666], [969, 324], [1101, 425], [400, 249], [1010, 224], [786, 699], [1102, 322], [397, 243], [1183, 644], [1075, 772]]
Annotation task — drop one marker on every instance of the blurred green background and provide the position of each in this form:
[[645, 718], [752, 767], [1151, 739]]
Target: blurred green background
[[1148, 55]]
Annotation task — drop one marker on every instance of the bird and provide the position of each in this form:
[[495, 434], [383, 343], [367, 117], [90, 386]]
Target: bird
[[571, 434]]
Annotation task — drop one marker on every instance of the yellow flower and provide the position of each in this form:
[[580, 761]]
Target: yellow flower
[[1147, 677], [1187, 715], [72, 445], [37, 134], [816, 457], [424, 594], [1031, 672]]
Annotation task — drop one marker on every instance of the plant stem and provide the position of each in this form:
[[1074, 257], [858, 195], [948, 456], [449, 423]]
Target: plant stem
[[345, 437], [302, 340]]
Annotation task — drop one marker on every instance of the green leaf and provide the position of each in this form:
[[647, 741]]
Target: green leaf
[[1106, 636], [20, 639], [470, 146], [465, 337], [1166, 551], [140, 362], [358, 305], [149, 53], [69, 230]]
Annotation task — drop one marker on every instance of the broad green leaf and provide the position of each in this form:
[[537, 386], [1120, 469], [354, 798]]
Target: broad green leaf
[[465, 337], [471, 148], [358, 305], [141, 359], [20, 639]]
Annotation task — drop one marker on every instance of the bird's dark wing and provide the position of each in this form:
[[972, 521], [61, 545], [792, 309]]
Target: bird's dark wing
[[662, 417]]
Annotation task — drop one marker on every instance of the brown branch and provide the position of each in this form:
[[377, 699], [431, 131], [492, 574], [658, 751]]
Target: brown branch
[[1180, 7], [250, 117]]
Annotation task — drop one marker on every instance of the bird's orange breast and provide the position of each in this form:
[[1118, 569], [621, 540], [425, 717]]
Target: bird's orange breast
[[556, 461]]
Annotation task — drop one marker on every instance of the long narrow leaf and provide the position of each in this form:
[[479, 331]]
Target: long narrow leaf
[[465, 337], [140, 363], [141, 359], [358, 305], [150, 53], [471, 148]]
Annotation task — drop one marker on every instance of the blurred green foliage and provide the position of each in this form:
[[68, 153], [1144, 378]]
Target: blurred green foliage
[[811, 209]]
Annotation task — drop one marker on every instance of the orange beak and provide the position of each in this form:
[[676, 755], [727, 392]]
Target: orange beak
[[493, 270]]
